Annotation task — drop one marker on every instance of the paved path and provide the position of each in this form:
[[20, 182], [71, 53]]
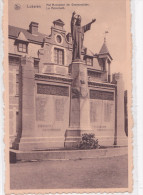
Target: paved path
[[88, 173]]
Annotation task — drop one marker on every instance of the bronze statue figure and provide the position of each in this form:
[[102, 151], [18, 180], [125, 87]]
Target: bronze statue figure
[[77, 33]]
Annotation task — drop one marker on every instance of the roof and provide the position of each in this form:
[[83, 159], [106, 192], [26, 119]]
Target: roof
[[104, 49], [59, 21], [15, 31], [22, 37], [89, 52]]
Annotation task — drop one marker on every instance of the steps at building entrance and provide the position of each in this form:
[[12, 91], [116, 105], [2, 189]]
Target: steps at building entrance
[[16, 155]]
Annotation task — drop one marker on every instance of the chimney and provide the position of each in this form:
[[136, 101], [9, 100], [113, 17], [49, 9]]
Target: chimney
[[58, 24], [33, 27]]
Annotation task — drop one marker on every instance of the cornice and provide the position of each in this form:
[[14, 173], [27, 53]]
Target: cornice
[[53, 78]]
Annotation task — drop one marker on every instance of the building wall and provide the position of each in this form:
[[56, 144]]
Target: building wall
[[14, 63], [32, 49], [13, 96], [96, 64]]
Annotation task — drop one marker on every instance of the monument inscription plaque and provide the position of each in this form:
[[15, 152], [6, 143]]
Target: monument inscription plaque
[[40, 108], [104, 95], [49, 120], [102, 110], [59, 109], [52, 89]]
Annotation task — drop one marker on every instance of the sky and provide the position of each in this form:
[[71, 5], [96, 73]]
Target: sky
[[110, 16]]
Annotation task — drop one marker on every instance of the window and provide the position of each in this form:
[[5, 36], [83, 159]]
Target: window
[[59, 56], [17, 84], [13, 60], [36, 66], [59, 39], [103, 67], [22, 47], [89, 61]]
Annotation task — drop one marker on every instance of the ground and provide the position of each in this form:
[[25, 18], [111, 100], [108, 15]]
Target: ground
[[109, 172]]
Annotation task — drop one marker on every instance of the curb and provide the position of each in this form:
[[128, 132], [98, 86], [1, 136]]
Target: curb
[[26, 156]]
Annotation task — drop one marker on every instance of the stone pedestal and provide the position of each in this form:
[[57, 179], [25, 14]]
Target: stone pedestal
[[122, 139], [27, 103], [80, 107]]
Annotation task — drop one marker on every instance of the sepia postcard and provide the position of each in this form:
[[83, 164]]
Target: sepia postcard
[[68, 96]]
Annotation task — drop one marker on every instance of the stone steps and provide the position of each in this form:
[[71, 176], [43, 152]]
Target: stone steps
[[16, 155]]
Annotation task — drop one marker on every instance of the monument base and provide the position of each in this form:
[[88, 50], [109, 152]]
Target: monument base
[[72, 138], [38, 143], [122, 140]]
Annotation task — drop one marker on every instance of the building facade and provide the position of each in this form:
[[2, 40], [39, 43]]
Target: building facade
[[41, 96]]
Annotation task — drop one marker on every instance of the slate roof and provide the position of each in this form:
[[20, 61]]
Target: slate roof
[[14, 33], [21, 37], [104, 49]]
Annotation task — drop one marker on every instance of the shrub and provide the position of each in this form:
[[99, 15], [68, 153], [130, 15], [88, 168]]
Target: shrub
[[88, 141]]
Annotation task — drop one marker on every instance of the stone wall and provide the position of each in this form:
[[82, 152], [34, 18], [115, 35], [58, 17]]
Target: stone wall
[[102, 115], [14, 63]]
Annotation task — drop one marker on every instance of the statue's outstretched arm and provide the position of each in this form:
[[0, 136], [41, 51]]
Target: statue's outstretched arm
[[93, 20], [88, 26]]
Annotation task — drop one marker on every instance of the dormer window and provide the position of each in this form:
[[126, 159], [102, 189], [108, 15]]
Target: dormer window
[[22, 47], [22, 43], [89, 61]]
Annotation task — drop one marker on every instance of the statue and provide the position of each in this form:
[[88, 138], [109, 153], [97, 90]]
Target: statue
[[77, 33]]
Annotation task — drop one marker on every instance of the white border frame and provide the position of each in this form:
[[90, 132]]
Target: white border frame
[[137, 61]]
